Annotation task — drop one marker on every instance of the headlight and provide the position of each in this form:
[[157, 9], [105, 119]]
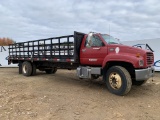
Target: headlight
[[141, 63]]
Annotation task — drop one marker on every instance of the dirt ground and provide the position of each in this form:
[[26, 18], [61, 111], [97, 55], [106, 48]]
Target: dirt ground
[[62, 96]]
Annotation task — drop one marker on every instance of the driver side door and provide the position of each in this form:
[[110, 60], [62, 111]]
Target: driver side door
[[94, 51]]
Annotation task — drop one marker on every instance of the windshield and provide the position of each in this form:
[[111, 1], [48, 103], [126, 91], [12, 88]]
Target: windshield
[[110, 39]]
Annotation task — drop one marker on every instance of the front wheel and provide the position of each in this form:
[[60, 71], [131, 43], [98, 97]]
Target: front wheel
[[118, 80]]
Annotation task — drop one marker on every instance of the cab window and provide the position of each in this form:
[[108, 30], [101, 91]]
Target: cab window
[[94, 41]]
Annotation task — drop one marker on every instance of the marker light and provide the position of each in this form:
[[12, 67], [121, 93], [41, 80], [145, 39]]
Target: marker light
[[138, 55]]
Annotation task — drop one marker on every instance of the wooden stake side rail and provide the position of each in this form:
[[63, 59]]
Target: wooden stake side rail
[[51, 49]]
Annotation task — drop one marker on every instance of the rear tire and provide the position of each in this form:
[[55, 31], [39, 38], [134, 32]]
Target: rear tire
[[26, 68], [118, 80], [33, 69]]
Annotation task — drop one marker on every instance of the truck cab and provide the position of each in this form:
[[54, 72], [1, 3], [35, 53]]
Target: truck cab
[[101, 54]]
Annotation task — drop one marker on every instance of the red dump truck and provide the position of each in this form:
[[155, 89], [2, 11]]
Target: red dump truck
[[93, 55]]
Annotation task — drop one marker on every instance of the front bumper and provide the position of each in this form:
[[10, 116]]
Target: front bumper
[[144, 74]]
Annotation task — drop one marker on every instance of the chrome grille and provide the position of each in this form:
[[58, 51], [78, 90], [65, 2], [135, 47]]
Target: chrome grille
[[150, 58]]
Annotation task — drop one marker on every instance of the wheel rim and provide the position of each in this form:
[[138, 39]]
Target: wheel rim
[[115, 80], [24, 69]]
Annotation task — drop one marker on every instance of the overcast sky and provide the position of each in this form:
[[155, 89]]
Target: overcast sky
[[24, 20]]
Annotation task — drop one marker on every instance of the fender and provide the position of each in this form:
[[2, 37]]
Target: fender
[[122, 57]]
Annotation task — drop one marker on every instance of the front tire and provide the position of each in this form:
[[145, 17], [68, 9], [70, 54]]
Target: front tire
[[118, 80], [26, 68]]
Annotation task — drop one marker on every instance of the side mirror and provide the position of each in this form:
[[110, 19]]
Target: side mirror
[[90, 36]]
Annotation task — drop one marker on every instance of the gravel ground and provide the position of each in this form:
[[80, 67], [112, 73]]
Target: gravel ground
[[62, 96]]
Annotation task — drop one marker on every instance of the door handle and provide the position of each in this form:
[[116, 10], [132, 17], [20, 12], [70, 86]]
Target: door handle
[[98, 48], [83, 50]]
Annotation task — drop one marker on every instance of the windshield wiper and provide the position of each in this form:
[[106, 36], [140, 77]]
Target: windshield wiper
[[113, 43]]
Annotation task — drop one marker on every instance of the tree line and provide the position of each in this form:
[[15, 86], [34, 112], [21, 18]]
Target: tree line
[[6, 41]]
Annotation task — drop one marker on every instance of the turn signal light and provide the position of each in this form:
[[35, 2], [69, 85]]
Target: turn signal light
[[138, 55]]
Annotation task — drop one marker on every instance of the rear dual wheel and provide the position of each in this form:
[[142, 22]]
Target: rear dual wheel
[[28, 68]]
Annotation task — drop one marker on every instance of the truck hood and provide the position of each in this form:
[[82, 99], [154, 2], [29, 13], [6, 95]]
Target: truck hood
[[119, 48]]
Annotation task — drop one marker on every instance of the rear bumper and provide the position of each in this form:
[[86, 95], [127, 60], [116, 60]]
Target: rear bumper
[[144, 74]]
